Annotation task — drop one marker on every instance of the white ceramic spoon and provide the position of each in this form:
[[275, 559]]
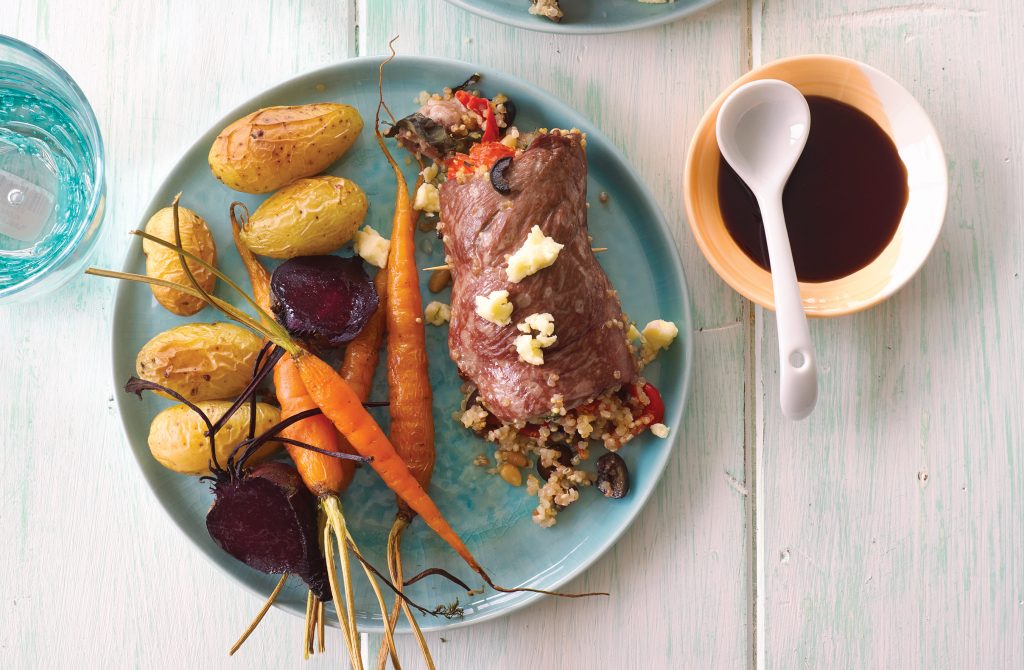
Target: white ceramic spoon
[[762, 129]]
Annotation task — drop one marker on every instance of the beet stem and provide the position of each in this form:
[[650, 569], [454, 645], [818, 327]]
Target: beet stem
[[250, 389], [307, 640], [320, 625], [137, 386], [252, 445], [259, 616], [333, 454], [441, 573], [252, 398]]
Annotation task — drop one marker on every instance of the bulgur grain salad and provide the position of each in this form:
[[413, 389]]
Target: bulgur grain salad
[[552, 366]]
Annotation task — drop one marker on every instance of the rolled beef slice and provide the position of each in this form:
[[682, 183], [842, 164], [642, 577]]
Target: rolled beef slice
[[481, 228]]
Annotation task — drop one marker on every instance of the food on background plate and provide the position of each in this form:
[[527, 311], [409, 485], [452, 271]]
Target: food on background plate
[[549, 9], [272, 147], [164, 264], [201, 361], [552, 10], [551, 363], [310, 216]]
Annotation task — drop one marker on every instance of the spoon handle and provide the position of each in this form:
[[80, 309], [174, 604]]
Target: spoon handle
[[798, 378]]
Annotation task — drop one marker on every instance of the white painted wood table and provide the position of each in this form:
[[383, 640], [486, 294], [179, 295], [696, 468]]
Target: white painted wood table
[[886, 531]]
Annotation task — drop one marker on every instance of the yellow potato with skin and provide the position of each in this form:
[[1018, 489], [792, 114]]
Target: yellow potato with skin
[[275, 146], [177, 436], [164, 263], [201, 361], [307, 217]]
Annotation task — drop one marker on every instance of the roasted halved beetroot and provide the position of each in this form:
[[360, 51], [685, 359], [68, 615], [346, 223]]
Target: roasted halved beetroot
[[267, 520], [323, 300]]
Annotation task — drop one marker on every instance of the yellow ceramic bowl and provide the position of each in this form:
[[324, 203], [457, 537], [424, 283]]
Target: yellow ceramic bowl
[[896, 112]]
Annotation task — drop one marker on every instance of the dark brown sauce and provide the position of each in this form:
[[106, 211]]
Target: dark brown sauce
[[843, 201]]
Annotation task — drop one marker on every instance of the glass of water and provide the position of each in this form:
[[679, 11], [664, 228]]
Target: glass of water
[[51, 174]]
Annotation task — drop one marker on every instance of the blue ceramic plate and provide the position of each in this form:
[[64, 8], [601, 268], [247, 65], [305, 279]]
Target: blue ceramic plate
[[586, 17], [492, 517]]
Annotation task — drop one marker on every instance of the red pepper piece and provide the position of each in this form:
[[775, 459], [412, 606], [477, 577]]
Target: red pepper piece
[[481, 106], [482, 153], [655, 408], [488, 153], [459, 164]]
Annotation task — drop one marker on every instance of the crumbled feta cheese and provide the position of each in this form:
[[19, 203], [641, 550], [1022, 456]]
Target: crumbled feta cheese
[[529, 346], [538, 252], [633, 334], [428, 198], [429, 173], [542, 323], [495, 307], [437, 313], [371, 247], [659, 430], [529, 350], [659, 334]]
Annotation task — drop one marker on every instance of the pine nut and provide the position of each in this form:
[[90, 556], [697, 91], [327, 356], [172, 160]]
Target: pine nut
[[514, 457], [511, 474], [439, 280]]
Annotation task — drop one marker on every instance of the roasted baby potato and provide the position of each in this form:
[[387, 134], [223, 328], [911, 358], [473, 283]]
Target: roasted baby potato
[[275, 146], [163, 263], [177, 436], [306, 218], [201, 361]]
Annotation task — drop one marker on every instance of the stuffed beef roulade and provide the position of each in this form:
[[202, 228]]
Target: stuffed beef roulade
[[552, 366]]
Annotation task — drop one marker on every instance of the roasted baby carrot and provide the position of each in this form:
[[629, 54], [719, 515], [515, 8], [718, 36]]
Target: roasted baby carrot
[[409, 392], [363, 353]]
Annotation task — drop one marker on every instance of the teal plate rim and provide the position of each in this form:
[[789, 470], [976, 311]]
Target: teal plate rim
[[646, 16], [675, 406]]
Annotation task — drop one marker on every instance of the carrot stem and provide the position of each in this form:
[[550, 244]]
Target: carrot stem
[[351, 637], [336, 521], [394, 552], [388, 629]]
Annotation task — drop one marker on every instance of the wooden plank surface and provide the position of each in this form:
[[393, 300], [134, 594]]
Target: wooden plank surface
[[893, 518], [891, 523], [646, 90]]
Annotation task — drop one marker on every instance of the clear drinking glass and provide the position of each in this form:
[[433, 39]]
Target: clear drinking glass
[[51, 174]]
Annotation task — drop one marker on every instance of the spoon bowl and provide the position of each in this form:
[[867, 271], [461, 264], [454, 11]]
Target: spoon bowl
[[764, 160]]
